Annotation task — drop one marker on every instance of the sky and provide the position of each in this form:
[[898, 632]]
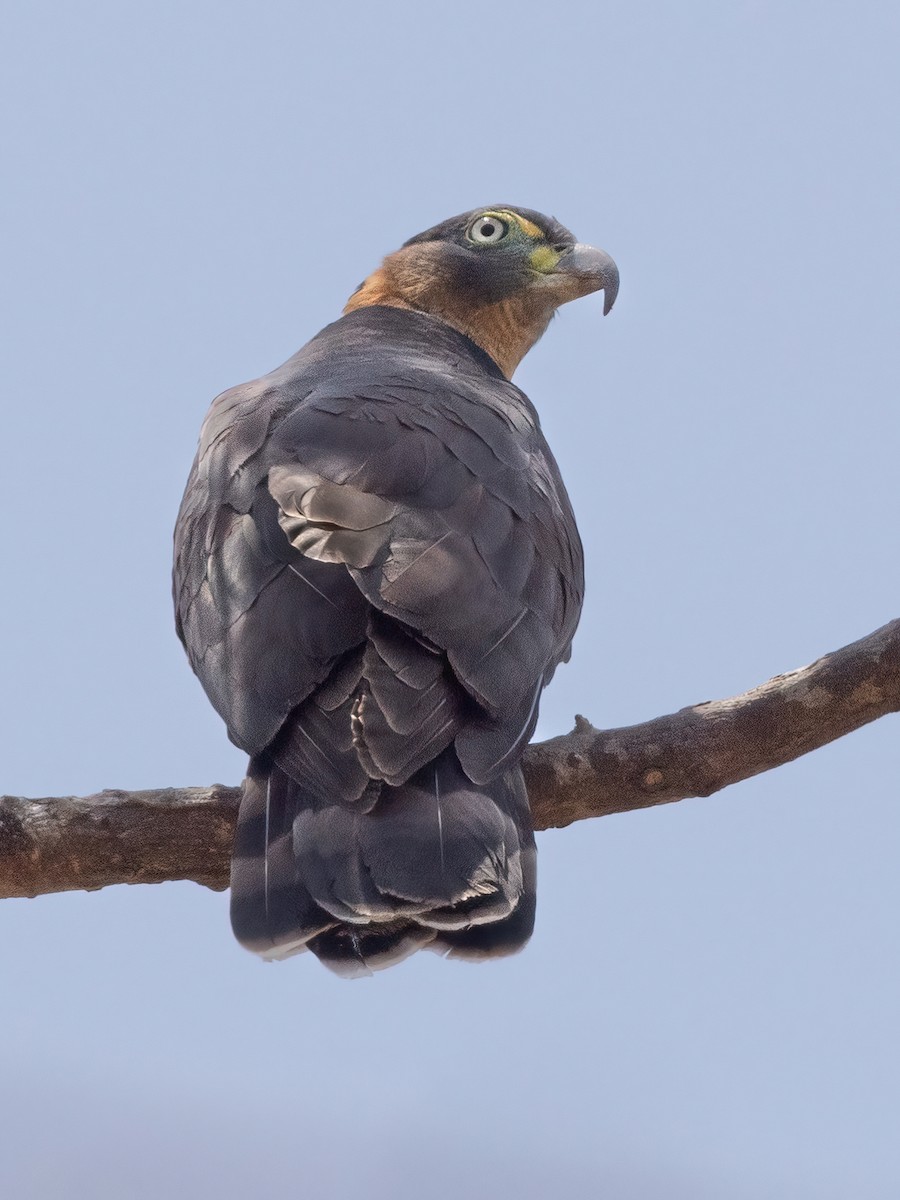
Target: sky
[[707, 1010]]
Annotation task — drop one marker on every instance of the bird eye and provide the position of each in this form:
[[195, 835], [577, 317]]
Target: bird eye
[[488, 230]]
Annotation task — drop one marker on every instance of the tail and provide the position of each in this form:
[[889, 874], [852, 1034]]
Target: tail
[[437, 863]]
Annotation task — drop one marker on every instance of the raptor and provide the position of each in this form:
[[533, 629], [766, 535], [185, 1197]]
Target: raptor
[[377, 571]]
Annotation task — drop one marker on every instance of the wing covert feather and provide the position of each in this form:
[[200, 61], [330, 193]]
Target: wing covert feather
[[428, 495]]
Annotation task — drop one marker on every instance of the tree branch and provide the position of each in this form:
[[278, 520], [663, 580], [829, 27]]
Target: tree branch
[[71, 843]]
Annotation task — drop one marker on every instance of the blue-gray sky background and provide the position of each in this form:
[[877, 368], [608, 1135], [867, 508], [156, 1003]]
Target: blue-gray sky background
[[708, 1008]]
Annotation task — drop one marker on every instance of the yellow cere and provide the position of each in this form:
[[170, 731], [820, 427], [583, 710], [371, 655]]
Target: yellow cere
[[544, 259]]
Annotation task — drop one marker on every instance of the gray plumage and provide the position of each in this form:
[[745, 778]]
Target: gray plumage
[[377, 571]]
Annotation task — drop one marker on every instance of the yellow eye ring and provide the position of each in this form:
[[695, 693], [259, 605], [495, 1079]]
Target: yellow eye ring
[[487, 230]]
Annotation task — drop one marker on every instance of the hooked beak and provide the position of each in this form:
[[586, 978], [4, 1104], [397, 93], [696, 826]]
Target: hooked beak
[[585, 269]]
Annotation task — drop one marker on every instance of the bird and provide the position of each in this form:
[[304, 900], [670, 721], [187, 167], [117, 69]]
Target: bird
[[377, 570]]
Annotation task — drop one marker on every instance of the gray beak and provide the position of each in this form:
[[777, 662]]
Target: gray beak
[[590, 270]]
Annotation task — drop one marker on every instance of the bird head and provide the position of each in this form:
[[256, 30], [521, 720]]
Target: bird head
[[496, 274]]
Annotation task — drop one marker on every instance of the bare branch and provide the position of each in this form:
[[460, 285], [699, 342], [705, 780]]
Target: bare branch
[[700, 750], [76, 843], [72, 843]]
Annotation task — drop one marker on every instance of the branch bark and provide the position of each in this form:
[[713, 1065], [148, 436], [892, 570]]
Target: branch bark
[[74, 843]]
